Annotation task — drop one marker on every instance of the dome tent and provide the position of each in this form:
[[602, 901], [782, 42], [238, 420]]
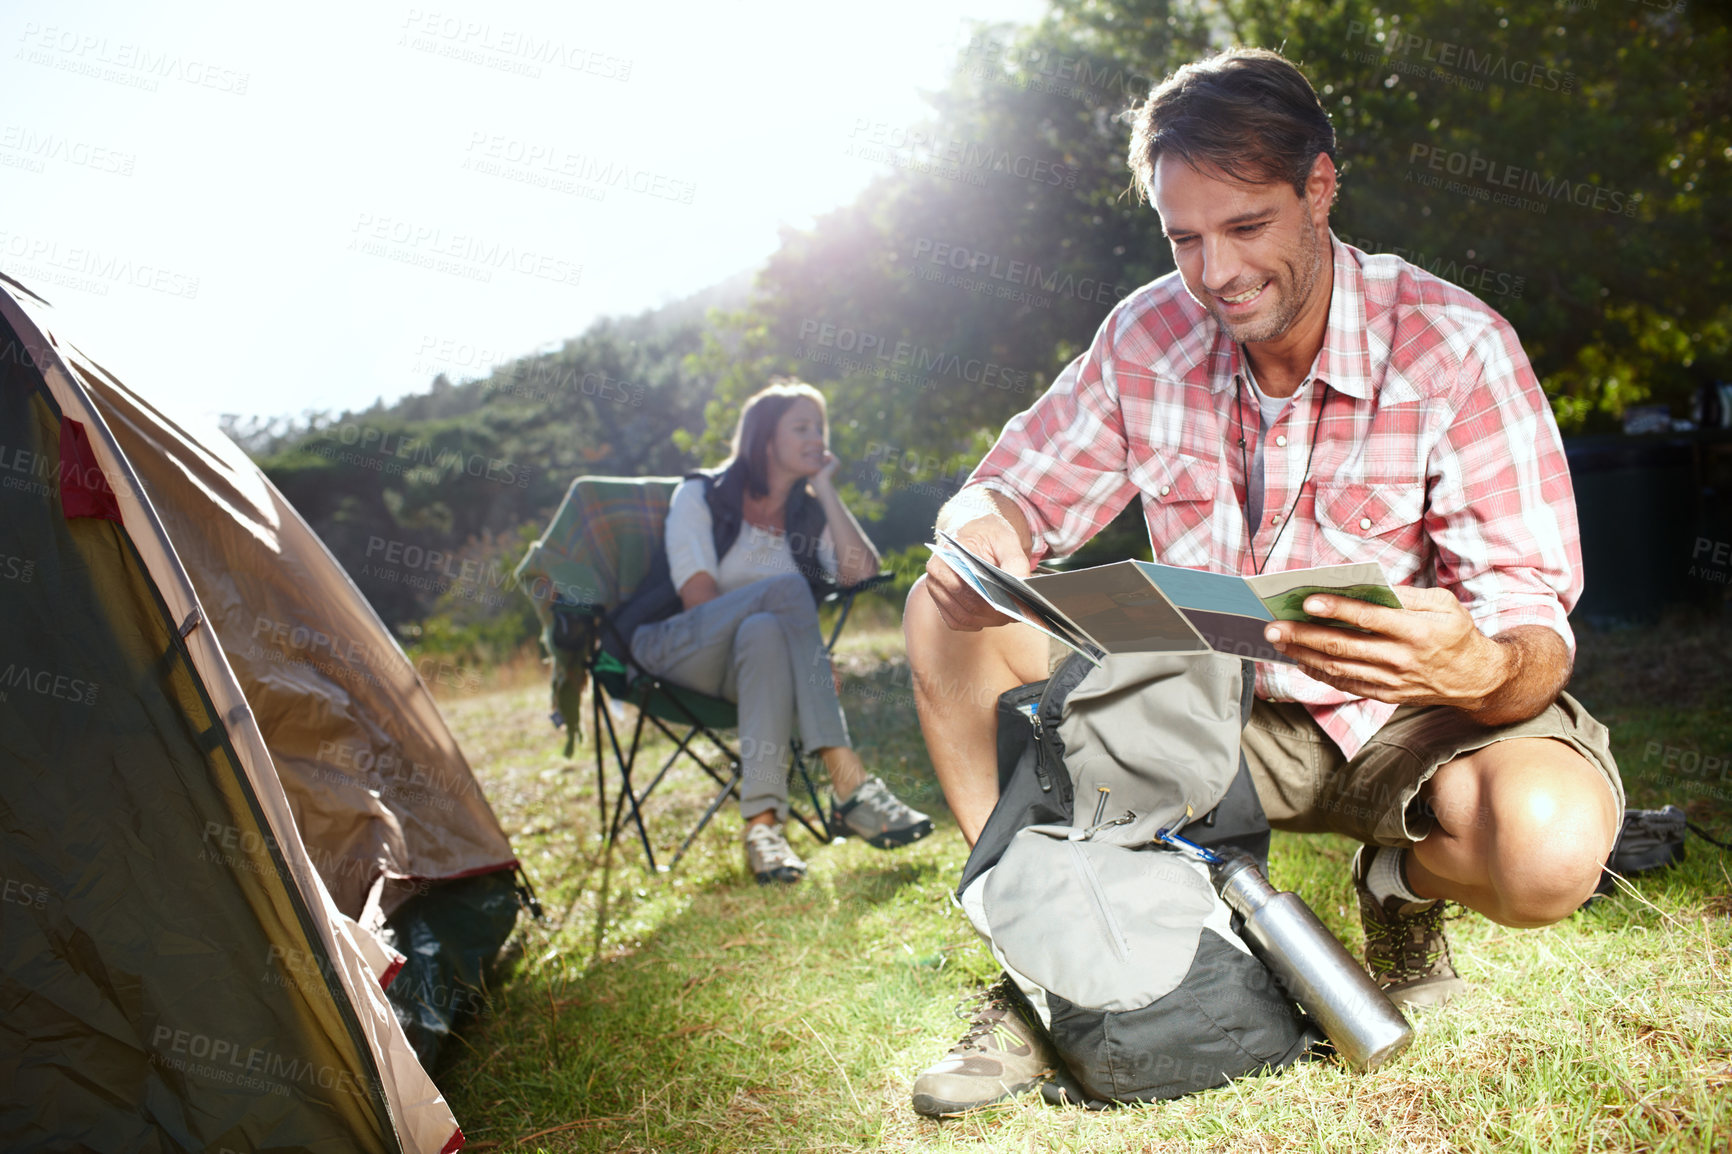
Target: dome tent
[[178, 973], [389, 811]]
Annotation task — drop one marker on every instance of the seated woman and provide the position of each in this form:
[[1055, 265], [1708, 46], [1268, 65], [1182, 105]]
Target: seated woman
[[749, 547]]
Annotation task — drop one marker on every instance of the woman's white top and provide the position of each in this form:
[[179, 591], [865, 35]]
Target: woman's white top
[[756, 553]]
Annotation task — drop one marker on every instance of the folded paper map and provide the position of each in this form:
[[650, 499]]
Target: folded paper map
[[1141, 607]]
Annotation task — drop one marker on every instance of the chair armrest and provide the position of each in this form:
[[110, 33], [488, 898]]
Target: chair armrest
[[847, 592], [846, 597]]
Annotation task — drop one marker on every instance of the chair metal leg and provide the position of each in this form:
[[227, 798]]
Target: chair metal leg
[[841, 620], [634, 798], [600, 770], [715, 804], [731, 784], [683, 747], [669, 764], [627, 793]]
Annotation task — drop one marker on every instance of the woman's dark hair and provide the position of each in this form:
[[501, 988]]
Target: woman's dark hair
[[1246, 113], [758, 419]]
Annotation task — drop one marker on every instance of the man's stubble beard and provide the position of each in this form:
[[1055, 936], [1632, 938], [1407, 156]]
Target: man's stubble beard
[[1302, 276]]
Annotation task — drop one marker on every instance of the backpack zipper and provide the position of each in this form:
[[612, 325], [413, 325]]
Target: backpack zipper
[[1092, 884], [1032, 708]]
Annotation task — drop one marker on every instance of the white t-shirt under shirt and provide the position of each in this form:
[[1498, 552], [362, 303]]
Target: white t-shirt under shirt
[[1271, 409], [755, 554]]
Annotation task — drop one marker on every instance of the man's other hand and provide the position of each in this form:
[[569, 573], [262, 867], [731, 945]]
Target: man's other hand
[[1429, 652]]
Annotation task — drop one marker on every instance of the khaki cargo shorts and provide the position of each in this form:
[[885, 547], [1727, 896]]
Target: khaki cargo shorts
[[1307, 786]]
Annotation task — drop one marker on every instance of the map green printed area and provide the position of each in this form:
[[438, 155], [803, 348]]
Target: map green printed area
[[1286, 606]]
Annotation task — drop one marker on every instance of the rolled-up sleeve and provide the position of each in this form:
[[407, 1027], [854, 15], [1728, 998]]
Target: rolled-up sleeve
[[1062, 460], [689, 535], [1501, 511]]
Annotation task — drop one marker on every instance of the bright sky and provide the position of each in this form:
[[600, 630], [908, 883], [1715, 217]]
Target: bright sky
[[270, 210]]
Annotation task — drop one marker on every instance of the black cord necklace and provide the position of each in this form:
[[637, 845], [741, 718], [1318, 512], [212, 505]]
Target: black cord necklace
[[1245, 465]]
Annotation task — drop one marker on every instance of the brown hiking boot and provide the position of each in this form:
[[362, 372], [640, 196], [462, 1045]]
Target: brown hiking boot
[[1405, 949], [1001, 1055]]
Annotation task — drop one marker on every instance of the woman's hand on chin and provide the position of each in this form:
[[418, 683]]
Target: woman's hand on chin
[[825, 477]]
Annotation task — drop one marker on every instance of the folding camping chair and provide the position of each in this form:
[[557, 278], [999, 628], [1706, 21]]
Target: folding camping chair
[[592, 557]]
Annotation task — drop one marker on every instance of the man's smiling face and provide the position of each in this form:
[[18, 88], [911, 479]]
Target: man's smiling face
[[1252, 254]]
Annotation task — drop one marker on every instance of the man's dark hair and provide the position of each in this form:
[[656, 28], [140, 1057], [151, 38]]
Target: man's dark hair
[[1247, 114], [758, 419]]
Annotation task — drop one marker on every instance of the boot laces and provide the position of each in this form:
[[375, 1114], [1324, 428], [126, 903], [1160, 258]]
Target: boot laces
[[1411, 943], [985, 1014]]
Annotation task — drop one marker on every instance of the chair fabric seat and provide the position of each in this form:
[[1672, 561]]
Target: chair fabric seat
[[713, 712]]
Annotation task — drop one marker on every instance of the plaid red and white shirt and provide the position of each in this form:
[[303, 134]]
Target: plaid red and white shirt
[[1436, 455]]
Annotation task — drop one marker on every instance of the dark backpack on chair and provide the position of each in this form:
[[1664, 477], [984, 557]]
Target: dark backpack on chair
[[1120, 945]]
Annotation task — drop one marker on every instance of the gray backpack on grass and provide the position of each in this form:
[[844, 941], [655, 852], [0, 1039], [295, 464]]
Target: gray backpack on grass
[[1120, 945]]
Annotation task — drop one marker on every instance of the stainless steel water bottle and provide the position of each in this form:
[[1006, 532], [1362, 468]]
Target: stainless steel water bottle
[[1358, 1017]]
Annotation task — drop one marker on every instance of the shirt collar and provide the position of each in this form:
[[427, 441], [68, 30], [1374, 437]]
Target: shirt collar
[[1344, 361]]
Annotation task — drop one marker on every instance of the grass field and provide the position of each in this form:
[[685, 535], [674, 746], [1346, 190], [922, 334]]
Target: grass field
[[695, 1011]]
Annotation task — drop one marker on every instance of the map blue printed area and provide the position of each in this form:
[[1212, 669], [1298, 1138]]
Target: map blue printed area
[[1209, 592]]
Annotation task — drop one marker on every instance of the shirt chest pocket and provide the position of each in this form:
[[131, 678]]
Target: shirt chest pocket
[[1179, 494], [1373, 521]]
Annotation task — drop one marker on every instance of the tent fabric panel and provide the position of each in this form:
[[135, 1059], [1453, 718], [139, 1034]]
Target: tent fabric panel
[[376, 780], [84, 491], [382, 961], [160, 986], [421, 1115]]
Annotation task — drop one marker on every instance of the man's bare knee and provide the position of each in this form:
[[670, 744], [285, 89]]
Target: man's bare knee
[[1524, 825], [1555, 820], [1555, 863]]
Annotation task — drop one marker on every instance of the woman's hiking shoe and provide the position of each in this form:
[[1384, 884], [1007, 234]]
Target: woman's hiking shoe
[[768, 856], [1002, 1054], [876, 816], [1405, 948]]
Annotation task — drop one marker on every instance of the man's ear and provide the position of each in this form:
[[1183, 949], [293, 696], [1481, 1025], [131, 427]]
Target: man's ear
[[1320, 188]]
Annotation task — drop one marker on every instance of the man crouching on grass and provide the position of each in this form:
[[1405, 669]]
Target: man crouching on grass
[[1284, 400]]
